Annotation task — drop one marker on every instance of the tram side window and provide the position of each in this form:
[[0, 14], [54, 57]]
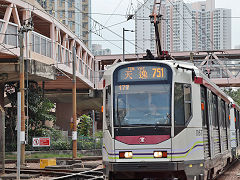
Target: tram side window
[[237, 119], [204, 106], [227, 115], [223, 114], [187, 101], [182, 103], [108, 106], [214, 111]]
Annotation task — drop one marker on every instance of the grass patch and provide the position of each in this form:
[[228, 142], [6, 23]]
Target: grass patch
[[41, 156]]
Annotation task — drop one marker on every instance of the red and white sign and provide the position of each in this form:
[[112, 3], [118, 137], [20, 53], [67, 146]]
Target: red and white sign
[[41, 142]]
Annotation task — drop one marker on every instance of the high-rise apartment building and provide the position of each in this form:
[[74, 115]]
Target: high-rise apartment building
[[73, 13], [185, 26], [97, 50]]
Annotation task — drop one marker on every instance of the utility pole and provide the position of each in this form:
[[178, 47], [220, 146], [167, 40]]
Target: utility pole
[[74, 105], [22, 71], [124, 42], [25, 28], [191, 57]]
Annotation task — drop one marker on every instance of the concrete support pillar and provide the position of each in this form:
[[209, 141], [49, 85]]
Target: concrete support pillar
[[64, 116], [54, 45]]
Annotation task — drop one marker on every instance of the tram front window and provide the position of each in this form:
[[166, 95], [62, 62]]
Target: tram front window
[[142, 105]]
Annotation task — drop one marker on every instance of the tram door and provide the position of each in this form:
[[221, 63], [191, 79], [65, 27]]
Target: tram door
[[205, 123], [108, 144], [236, 113]]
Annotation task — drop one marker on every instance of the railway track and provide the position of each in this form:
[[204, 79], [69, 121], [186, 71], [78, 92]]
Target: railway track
[[62, 173], [226, 169], [91, 175], [42, 172]]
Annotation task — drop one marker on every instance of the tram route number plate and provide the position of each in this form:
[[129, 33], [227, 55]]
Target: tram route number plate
[[41, 142]]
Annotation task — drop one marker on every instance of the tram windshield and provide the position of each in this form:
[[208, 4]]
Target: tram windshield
[[142, 105]]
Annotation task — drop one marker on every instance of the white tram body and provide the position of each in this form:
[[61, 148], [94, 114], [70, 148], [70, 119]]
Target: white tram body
[[164, 120]]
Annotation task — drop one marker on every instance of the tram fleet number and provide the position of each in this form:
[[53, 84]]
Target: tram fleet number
[[199, 132]]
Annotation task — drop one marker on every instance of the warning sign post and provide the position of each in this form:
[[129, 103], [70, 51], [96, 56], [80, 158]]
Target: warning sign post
[[41, 142]]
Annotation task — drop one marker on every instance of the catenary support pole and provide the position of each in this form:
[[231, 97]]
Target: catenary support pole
[[123, 44], [18, 134], [74, 106], [22, 134]]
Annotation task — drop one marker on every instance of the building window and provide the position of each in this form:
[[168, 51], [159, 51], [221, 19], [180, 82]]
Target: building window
[[70, 24], [84, 7], [70, 14], [70, 3], [61, 14], [61, 2]]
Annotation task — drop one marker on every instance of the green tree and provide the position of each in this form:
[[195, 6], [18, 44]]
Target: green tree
[[39, 110], [85, 125], [234, 94]]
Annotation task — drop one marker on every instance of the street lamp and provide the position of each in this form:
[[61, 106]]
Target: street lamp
[[124, 42]]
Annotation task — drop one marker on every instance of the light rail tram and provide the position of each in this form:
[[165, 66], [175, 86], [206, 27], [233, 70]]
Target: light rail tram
[[166, 120]]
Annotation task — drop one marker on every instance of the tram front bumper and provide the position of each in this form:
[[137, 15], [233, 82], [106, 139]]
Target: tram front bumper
[[145, 166]]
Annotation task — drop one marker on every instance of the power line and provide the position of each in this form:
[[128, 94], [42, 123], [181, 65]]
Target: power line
[[1, 44], [101, 26], [118, 5], [142, 4], [200, 27], [80, 24], [178, 37], [84, 27], [186, 21], [112, 25], [146, 19], [105, 27], [166, 24], [76, 12]]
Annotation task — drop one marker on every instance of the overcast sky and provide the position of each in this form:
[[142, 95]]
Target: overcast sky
[[120, 7]]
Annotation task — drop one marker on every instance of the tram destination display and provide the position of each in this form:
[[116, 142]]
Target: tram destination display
[[142, 73]]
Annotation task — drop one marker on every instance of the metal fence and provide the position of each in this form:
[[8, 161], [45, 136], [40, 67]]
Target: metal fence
[[12, 30], [89, 143], [41, 44], [2, 140]]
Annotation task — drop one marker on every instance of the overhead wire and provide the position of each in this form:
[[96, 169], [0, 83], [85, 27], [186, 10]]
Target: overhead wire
[[101, 25], [146, 19], [206, 37], [130, 10], [118, 5], [106, 27], [1, 44], [144, 5], [189, 11], [34, 7], [184, 19]]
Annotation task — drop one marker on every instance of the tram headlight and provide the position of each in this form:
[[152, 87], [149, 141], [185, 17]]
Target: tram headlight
[[125, 155], [160, 154]]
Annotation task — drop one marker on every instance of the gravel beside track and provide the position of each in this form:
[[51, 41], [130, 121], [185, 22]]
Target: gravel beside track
[[232, 173]]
